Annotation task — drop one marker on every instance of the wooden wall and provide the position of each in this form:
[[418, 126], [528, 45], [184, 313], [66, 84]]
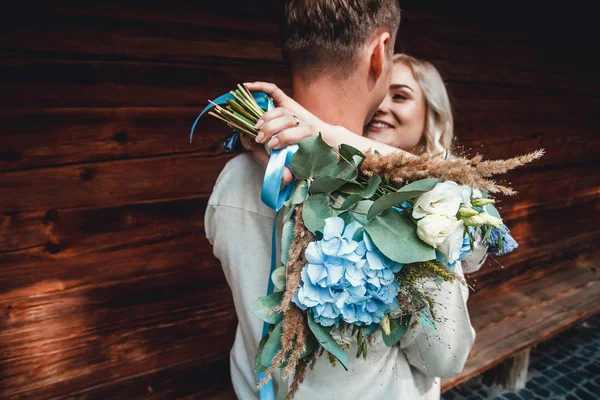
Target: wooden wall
[[108, 287]]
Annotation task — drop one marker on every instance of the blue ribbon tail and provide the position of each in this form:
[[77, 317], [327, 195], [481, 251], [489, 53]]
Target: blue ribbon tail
[[271, 194], [267, 392]]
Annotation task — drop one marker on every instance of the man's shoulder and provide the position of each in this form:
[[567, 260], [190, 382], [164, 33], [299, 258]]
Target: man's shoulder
[[239, 185]]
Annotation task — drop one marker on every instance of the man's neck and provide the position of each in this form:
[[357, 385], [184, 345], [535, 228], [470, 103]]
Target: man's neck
[[331, 102]]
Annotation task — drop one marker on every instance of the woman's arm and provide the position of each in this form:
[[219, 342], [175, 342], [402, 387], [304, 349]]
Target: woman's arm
[[280, 122]]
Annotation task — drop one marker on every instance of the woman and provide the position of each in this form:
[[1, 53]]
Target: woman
[[414, 117]]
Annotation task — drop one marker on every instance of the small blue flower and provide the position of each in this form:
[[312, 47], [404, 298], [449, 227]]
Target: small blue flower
[[347, 279], [232, 143], [508, 242]]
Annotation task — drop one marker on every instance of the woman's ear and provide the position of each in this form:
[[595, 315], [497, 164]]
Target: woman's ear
[[379, 55]]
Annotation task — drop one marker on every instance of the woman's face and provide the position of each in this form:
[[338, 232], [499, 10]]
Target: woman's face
[[400, 119]]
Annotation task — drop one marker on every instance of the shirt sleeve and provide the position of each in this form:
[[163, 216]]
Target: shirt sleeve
[[442, 352], [242, 242]]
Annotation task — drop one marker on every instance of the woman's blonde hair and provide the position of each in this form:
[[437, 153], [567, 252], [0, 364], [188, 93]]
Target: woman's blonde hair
[[439, 124]]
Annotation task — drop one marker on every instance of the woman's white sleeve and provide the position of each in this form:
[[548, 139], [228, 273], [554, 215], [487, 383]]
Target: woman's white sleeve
[[442, 352]]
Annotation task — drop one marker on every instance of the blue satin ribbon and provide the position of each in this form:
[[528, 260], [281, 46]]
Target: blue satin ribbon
[[273, 195], [262, 99]]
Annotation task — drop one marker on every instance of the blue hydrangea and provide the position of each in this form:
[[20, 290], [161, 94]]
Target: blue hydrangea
[[347, 278], [508, 242]]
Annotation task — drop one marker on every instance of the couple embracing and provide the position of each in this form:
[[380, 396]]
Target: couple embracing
[[348, 86]]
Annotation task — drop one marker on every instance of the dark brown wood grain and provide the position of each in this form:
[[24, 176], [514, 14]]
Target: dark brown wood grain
[[55, 136], [108, 286]]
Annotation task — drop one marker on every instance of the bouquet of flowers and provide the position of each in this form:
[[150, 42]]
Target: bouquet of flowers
[[361, 232]]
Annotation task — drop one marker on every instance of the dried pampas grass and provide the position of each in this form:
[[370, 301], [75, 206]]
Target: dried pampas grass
[[398, 168]]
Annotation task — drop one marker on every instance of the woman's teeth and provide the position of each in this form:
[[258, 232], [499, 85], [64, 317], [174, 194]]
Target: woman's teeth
[[380, 125]]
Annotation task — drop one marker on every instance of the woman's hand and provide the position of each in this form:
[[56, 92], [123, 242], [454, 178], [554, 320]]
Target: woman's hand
[[279, 128], [289, 120], [286, 124]]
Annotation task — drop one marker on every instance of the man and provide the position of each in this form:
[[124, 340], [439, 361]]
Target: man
[[340, 56]]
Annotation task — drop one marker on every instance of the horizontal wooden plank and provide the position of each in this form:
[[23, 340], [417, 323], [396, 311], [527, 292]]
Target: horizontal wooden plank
[[527, 310], [34, 82], [466, 52], [203, 34], [195, 380], [45, 137], [115, 183], [111, 183], [81, 83], [78, 248], [35, 138]]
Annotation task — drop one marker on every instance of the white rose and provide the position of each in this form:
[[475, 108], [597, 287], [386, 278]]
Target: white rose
[[444, 199], [435, 229], [467, 194], [450, 248]]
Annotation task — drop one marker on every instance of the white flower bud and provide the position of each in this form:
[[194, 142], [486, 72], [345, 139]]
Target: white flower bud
[[482, 202]]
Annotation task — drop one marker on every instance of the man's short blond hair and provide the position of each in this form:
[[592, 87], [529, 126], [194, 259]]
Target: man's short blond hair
[[326, 35]]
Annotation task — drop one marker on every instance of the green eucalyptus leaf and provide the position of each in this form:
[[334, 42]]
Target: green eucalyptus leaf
[[397, 238], [372, 185], [350, 160], [314, 158], [370, 329], [352, 188], [398, 328], [287, 236], [315, 210], [263, 306], [351, 153], [278, 277], [492, 211], [272, 346], [326, 184], [300, 193], [405, 193], [326, 340], [360, 212], [350, 201], [259, 366]]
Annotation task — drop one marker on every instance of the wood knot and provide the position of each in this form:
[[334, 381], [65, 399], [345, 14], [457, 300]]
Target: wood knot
[[121, 136], [11, 155], [51, 216], [86, 175], [53, 248]]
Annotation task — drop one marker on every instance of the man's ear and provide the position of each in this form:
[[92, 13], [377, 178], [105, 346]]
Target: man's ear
[[379, 54]]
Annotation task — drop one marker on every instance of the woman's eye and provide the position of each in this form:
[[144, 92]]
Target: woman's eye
[[399, 96]]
